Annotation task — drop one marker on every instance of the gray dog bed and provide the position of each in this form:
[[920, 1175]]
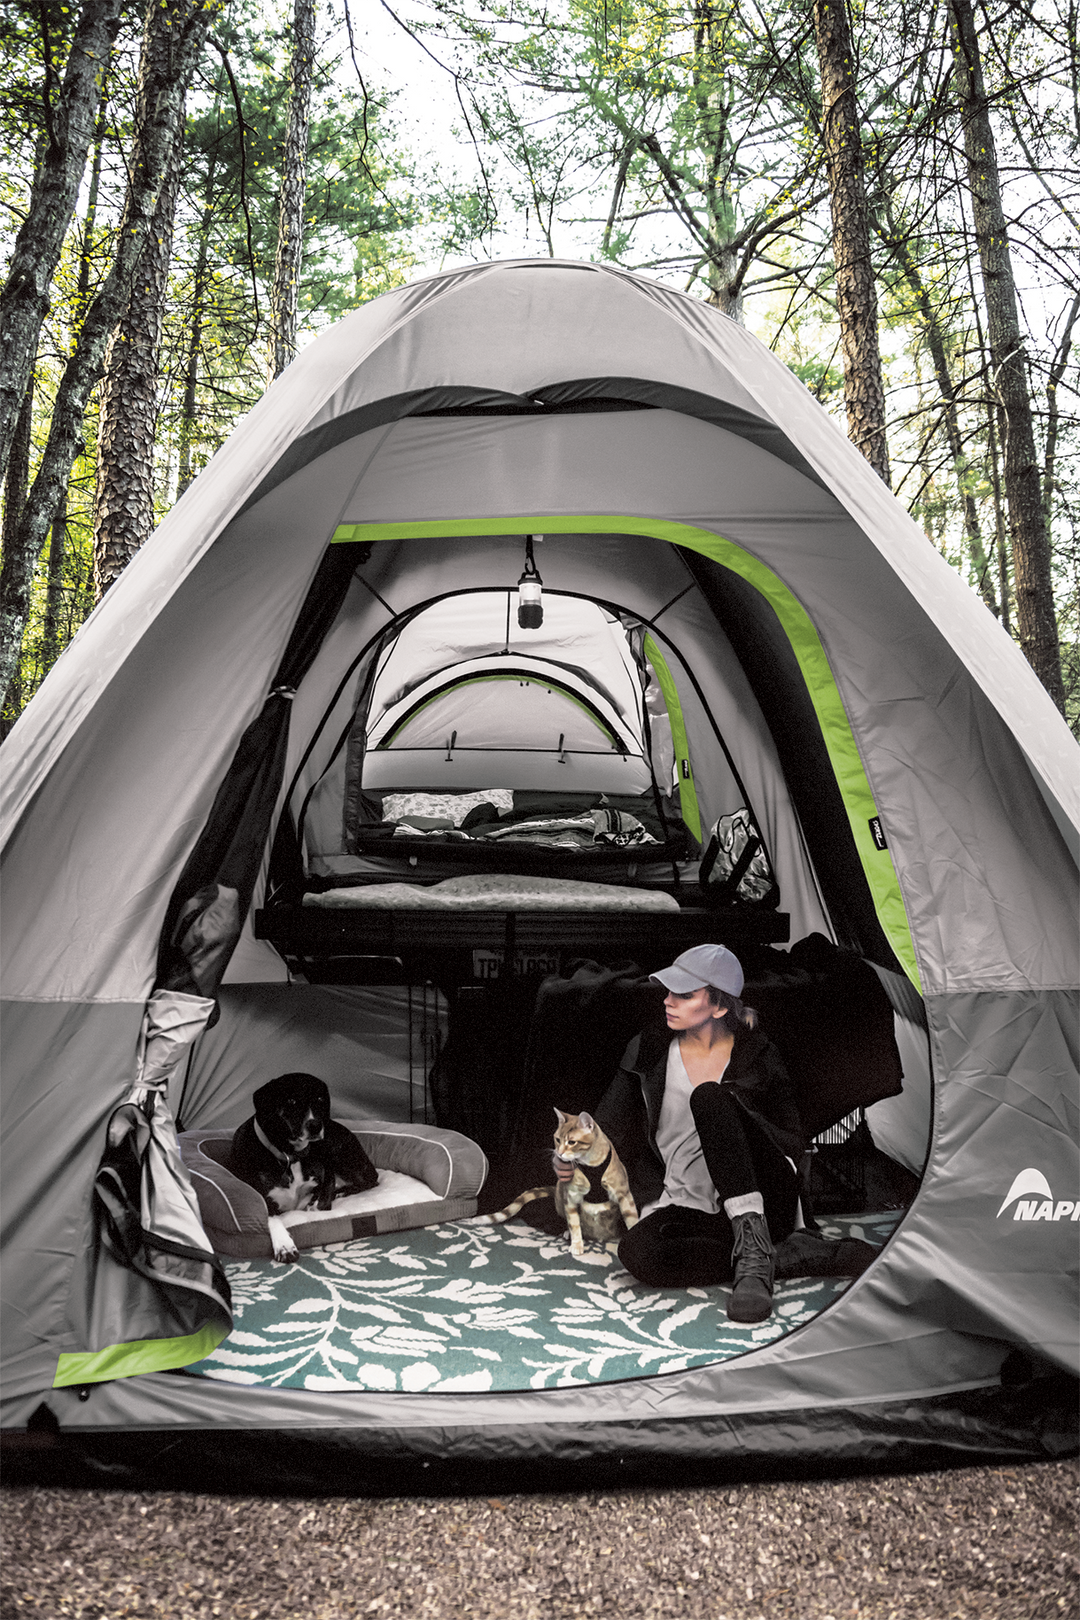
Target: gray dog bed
[[426, 1176]]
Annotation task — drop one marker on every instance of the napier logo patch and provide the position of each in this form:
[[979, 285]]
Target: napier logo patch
[[1032, 1200]]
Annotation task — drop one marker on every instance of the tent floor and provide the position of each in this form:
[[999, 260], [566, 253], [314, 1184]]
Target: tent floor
[[1030, 1417], [469, 1306]]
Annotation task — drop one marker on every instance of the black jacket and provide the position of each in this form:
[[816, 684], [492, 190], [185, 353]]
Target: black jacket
[[629, 1111]]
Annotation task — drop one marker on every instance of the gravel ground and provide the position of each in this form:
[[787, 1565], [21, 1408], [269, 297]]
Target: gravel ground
[[969, 1542]]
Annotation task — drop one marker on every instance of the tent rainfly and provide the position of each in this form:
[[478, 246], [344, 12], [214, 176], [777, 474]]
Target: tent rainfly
[[736, 610]]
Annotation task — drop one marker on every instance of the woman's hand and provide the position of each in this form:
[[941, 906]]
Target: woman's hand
[[564, 1170]]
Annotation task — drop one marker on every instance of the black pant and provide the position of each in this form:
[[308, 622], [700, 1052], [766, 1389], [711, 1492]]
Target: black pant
[[675, 1247]]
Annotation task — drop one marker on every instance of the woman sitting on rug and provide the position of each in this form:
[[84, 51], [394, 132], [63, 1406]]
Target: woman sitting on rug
[[703, 1116]]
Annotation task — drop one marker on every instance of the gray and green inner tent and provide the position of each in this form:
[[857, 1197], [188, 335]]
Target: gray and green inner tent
[[914, 786]]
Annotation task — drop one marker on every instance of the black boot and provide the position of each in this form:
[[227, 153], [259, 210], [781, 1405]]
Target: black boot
[[807, 1254], [752, 1259]]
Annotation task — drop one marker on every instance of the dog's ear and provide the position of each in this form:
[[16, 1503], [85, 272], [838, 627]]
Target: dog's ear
[[263, 1096]]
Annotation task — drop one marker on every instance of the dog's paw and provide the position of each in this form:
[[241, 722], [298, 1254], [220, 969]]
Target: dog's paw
[[283, 1246]]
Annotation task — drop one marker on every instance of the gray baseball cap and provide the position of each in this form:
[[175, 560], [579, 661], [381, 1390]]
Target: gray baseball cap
[[702, 965]]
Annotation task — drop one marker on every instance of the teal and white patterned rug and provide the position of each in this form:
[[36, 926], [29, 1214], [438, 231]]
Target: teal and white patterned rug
[[468, 1306]]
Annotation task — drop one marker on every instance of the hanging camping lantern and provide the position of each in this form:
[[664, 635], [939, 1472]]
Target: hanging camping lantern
[[530, 613]]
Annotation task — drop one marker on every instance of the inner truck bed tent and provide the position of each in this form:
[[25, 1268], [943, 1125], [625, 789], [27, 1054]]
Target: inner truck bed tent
[[913, 784]]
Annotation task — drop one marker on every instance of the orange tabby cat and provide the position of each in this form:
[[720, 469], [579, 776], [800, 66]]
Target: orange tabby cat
[[596, 1203]]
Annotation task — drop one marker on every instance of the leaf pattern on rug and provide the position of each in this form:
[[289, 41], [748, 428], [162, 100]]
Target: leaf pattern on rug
[[469, 1306]]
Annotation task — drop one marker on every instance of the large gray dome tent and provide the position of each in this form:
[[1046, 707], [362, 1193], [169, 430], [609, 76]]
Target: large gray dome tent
[[913, 785]]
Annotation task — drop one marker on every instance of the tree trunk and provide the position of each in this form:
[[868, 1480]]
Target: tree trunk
[[897, 245], [54, 592], [290, 243], [53, 638], [24, 301], [722, 279], [864, 389], [16, 479], [86, 251], [993, 461], [1000, 526], [1053, 414], [124, 497], [184, 25], [1033, 589], [191, 378]]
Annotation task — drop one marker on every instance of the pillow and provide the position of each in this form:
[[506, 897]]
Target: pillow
[[453, 806]]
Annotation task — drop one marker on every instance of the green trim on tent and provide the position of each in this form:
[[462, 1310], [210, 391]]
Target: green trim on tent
[[140, 1356], [688, 803], [547, 683], [805, 643]]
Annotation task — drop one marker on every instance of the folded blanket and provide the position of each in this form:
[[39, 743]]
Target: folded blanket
[[598, 826], [414, 828], [498, 892], [571, 832]]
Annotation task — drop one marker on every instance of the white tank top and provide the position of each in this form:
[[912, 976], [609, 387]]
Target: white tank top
[[687, 1182]]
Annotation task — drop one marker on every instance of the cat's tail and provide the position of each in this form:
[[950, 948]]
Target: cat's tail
[[519, 1203]]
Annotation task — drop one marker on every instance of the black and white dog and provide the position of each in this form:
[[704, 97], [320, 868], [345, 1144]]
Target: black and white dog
[[296, 1155]]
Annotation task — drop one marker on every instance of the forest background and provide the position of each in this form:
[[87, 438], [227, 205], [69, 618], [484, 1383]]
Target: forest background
[[887, 194]]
